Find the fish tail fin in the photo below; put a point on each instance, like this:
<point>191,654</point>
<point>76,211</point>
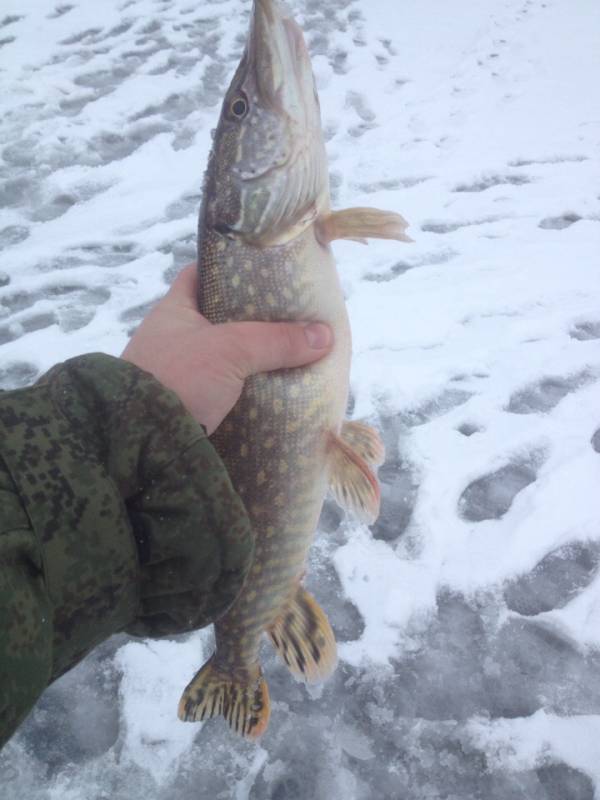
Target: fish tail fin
<point>242,699</point>
<point>352,481</point>
<point>360,224</point>
<point>303,638</point>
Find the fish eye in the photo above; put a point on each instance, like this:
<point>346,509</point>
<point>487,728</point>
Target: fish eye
<point>239,108</point>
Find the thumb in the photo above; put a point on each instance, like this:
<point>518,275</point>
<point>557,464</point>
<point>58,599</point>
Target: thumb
<point>268,346</point>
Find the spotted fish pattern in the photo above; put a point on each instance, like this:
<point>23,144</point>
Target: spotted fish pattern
<point>264,254</point>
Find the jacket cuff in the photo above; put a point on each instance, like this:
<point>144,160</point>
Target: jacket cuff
<point>139,526</point>
<point>89,557</point>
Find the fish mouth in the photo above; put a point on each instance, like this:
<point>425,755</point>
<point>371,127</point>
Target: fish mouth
<point>279,59</point>
<point>283,169</point>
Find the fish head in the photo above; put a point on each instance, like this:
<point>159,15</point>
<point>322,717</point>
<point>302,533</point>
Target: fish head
<point>267,178</point>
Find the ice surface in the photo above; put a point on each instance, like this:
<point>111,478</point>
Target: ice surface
<point>468,619</point>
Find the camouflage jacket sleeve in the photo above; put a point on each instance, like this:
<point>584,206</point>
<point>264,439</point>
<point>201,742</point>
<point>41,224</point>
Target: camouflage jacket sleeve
<point>115,514</point>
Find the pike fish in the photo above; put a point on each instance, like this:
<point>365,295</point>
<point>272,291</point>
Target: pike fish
<point>264,253</point>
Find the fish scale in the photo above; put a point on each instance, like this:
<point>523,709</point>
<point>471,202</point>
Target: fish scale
<point>283,505</point>
<point>264,255</point>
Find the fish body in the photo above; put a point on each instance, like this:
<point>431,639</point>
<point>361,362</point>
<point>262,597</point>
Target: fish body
<point>264,254</point>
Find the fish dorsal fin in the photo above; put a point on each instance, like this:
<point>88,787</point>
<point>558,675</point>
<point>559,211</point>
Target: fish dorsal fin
<point>242,699</point>
<point>352,481</point>
<point>365,441</point>
<point>304,640</point>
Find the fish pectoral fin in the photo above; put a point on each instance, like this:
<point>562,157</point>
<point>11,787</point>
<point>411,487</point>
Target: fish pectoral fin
<point>242,699</point>
<point>365,441</point>
<point>360,224</point>
<point>352,481</point>
<point>304,640</point>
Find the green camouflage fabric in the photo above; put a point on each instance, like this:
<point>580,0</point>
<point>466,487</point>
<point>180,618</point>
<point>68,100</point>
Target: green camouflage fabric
<point>116,514</point>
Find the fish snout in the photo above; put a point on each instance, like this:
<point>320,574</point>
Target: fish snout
<point>282,64</point>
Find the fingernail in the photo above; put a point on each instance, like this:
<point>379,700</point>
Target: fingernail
<point>317,335</point>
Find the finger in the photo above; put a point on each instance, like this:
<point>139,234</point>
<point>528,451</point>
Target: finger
<point>267,346</point>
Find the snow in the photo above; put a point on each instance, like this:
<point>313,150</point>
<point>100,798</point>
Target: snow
<point>468,618</point>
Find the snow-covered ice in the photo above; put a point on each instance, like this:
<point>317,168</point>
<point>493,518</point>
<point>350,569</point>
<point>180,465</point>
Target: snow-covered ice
<point>469,617</point>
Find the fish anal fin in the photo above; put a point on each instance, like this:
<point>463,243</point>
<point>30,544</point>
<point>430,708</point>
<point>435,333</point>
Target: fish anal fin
<point>303,638</point>
<point>242,699</point>
<point>360,224</point>
<point>365,441</point>
<point>353,483</point>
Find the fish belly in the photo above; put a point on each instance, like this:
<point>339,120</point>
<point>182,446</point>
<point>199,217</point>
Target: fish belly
<point>274,441</point>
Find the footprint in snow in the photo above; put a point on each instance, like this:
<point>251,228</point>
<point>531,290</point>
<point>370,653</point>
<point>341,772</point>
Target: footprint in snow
<point>54,208</point>
<point>546,394</point>
<point>360,105</point>
<point>103,255</point>
<point>390,184</point>
<point>10,19</point>
<point>60,11</point>
<point>12,234</point>
<point>491,496</point>
<point>118,30</point>
<point>451,227</point>
<point>389,47</point>
<point>468,429</point>
<point>80,308</point>
<point>18,301</point>
<point>464,667</point>
<point>359,130</point>
<point>583,331</point>
<point>104,81</point>
<point>74,312</point>
<point>489,181</point>
<point>555,580</point>
<point>111,146</point>
<point>537,666</point>
<point>37,322</point>
<point>445,402</point>
<point>339,61</point>
<point>528,162</point>
<point>27,192</point>
<point>559,223</point>
<point>89,34</point>
<point>400,267</point>
<point>399,488</point>
<point>15,192</point>
<point>442,678</point>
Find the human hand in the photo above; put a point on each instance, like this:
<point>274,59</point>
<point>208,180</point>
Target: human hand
<point>205,364</point>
